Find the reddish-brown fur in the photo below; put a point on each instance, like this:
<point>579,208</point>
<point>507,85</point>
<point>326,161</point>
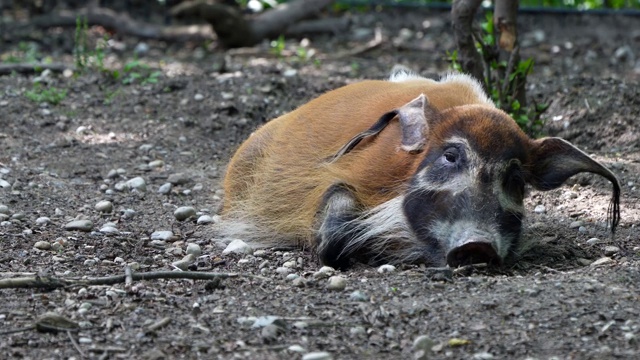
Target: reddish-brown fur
<point>281,172</point>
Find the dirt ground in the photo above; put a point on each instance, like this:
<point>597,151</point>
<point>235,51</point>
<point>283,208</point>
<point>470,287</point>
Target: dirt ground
<point>574,295</point>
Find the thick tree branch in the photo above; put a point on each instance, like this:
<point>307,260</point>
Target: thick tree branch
<point>462,13</point>
<point>111,20</point>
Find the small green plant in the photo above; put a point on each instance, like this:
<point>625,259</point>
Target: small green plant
<point>278,46</point>
<point>81,47</point>
<point>51,95</point>
<point>136,71</point>
<point>505,80</point>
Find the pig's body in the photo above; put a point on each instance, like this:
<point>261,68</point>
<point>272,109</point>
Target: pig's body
<point>407,170</point>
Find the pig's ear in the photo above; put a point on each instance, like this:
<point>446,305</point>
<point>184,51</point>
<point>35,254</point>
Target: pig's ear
<point>554,160</point>
<point>413,122</point>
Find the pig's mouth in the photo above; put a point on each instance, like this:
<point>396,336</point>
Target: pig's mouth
<point>473,252</point>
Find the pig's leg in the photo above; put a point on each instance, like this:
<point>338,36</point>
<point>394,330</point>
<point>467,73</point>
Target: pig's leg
<point>339,225</point>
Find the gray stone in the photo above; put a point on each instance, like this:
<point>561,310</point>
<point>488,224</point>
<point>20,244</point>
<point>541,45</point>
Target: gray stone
<point>42,245</point>
<point>104,206</point>
<point>163,235</point>
<point>185,262</point>
<point>358,296</point>
<point>194,249</point>
<point>540,209</point>
<point>337,283</point>
<point>81,225</point>
<point>4,209</point>
<point>179,179</point>
<point>4,184</point>
<point>611,250</point>
<point>576,224</point>
<point>184,212</point>
<point>165,188</point>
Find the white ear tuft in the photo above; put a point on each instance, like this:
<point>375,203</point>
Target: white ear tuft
<point>400,73</point>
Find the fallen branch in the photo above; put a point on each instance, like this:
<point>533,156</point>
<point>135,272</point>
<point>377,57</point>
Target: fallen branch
<point>50,282</point>
<point>7,69</point>
<point>111,20</point>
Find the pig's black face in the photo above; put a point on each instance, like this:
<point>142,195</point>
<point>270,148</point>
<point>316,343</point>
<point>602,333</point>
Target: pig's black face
<point>464,206</point>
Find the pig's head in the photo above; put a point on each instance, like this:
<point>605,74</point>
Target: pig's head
<point>465,201</point>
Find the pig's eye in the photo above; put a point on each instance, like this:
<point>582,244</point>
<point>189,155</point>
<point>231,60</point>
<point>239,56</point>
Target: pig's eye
<point>451,155</point>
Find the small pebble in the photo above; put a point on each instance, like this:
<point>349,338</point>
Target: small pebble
<point>324,272</point>
<point>184,212</point>
<point>358,331</point>
<point>576,224</point>
<point>90,262</point>
<point>298,282</point>
<point>165,188</point>
<point>319,355</point>
<point>4,209</point>
<point>593,241</point>
<point>422,347</point>
<point>337,283</point>
<point>164,235</point>
<point>296,348</point>
<point>292,277</point>
<point>81,225</point>
<point>108,229</point>
<point>4,184</point>
<point>358,296</point>
<point>198,97</point>
<point>283,270</point>
<point>540,209</point>
<point>204,219</point>
<point>238,247</point>
<point>128,213</point>
<point>43,220</point>
<point>18,216</point>
<point>386,269</point>
<point>194,249</point>
<point>602,261</point>
<point>137,183</point>
<point>185,262</point>
<point>178,179</point>
<point>104,206</point>
<point>42,245</point>
<point>611,250</point>
<point>156,164</point>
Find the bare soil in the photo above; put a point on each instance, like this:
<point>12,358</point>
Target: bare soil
<point>569,297</point>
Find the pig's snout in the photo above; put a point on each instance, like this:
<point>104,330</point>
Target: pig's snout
<point>473,251</point>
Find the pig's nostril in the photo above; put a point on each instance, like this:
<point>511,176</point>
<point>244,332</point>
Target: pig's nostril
<point>473,252</point>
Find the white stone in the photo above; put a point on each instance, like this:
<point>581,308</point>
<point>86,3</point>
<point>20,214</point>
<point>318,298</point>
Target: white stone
<point>204,219</point>
<point>43,220</point>
<point>386,269</point>
<point>238,246</point>
<point>319,355</point>
<point>137,183</point>
<point>337,283</point>
<point>540,209</point>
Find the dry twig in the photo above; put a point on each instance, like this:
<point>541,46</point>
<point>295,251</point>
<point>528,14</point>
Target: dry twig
<point>51,282</point>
